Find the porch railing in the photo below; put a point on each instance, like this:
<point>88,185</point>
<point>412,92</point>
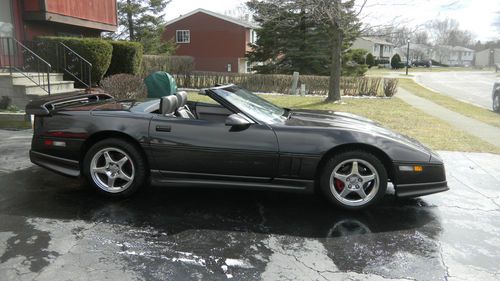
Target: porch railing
<point>18,58</point>
<point>74,65</point>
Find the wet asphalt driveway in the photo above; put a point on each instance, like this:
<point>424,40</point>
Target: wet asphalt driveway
<point>53,228</point>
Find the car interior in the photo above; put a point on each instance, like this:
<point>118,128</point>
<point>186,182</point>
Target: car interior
<point>178,105</point>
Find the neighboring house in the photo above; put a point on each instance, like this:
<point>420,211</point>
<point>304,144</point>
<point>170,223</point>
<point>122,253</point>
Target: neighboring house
<point>453,55</point>
<point>488,57</point>
<point>416,52</point>
<point>216,42</point>
<point>26,19</point>
<point>380,49</point>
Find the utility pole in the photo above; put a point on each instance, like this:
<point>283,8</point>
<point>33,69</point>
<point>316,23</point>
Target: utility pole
<point>407,57</point>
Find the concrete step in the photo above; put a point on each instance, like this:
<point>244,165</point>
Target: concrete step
<point>33,89</point>
<point>52,93</point>
<point>18,78</point>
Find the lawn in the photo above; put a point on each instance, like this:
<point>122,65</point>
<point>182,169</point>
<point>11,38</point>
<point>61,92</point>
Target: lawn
<point>467,109</point>
<point>395,114</point>
<point>16,125</point>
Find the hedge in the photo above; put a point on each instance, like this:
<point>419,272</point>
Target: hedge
<point>278,83</point>
<point>183,65</point>
<point>126,58</point>
<point>97,51</point>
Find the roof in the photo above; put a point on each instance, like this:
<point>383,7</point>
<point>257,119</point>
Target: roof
<point>377,40</point>
<point>213,14</point>
<point>456,48</point>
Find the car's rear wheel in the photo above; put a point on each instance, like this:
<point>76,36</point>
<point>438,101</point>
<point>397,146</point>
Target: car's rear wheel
<point>354,180</point>
<point>114,167</point>
<point>496,103</point>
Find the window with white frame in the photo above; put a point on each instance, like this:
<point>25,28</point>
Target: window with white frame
<point>183,36</point>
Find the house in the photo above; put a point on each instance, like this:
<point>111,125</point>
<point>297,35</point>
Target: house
<point>26,19</point>
<point>416,52</point>
<point>379,48</point>
<point>488,57</point>
<point>24,75</point>
<point>216,42</point>
<point>453,55</point>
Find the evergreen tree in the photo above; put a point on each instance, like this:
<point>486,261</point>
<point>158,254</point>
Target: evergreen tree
<point>308,36</point>
<point>143,21</point>
<point>288,39</point>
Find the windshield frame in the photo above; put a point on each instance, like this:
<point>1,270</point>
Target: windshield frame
<point>212,92</point>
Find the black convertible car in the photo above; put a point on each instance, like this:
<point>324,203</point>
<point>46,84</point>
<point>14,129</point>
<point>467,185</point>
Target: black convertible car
<point>241,141</point>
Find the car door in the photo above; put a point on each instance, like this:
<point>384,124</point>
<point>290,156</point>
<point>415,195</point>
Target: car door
<point>194,148</point>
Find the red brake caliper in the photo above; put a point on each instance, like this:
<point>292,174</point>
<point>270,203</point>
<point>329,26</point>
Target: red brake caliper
<point>339,185</point>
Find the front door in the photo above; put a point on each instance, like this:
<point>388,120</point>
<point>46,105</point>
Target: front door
<point>210,149</point>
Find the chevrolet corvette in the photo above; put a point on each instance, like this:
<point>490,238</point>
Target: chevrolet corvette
<point>239,141</point>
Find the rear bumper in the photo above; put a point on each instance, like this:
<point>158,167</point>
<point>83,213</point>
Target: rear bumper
<point>420,189</point>
<point>59,165</point>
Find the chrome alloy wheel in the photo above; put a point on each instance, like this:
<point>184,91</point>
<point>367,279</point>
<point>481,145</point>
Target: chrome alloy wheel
<point>354,182</point>
<point>112,170</point>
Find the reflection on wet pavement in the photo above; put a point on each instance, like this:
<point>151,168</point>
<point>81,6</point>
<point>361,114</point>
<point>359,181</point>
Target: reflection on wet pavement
<point>54,228</point>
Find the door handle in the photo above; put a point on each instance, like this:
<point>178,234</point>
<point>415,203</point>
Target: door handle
<point>163,128</point>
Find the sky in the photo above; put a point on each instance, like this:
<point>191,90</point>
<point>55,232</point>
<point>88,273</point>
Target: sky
<point>476,16</point>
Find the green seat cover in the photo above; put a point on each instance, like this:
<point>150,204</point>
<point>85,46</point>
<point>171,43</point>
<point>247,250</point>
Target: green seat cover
<point>160,84</point>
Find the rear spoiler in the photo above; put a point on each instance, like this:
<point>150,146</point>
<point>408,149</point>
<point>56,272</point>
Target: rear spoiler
<point>45,106</point>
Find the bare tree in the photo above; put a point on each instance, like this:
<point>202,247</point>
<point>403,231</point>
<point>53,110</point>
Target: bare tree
<point>448,32</point>
<point>340,18</point>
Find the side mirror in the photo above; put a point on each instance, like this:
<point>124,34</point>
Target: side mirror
<point>236,120</point>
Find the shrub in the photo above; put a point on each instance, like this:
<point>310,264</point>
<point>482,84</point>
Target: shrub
<point>395,61</point>
<point>390,87</point>
<point>97,51</point>
<point>5,102</point>
<point>126,58</point>
<point>179,65</point>
<point>370,60</point>
<point>354,69</point>
<point>355,55</point>
<point>124,86</point>
<point>381,61</point>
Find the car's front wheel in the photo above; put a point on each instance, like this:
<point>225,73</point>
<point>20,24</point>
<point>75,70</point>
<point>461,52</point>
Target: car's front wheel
<point>354,180</point>
<point>114,167</point>
<point>496,103</point>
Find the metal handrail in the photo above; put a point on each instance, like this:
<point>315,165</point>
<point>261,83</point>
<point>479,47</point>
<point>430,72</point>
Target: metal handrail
<point>81,76</point>
<point>18,62</point>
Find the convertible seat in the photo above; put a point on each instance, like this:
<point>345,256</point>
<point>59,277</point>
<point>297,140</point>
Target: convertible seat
<point>168,105</point>
<point>183,110</point>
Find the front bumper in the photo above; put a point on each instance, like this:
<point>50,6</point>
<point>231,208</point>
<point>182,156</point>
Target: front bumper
<point>411,184</point>
<point>420,189</point>
<point>56,164</point>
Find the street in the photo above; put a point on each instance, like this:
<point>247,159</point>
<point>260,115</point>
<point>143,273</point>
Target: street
<point>471,86</point>
<point>55,228</point>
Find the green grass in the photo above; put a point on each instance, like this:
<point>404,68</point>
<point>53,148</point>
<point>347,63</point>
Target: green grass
<point>464,108</point>
<point>394,114</point>
<point>17,125</point>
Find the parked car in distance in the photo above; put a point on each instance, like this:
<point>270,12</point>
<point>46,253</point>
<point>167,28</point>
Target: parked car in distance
<point>239,141</point>
<point>496,97</point>
<point>426,63</point>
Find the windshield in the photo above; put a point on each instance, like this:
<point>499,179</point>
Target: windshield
<point>252,105</point>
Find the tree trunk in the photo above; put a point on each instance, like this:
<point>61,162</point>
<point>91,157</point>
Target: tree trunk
<point>130,21</point>
<point>335,68</point>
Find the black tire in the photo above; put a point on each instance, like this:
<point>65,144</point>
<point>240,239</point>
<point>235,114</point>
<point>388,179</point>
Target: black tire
<point>137,165</point>
<point>496,103</point>
<point>366,160</point>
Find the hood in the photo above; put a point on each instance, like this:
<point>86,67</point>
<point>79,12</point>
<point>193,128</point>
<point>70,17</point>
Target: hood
<point>347,121</point>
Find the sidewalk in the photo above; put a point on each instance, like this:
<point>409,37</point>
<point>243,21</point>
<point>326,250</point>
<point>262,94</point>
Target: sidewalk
<point>474,127</point>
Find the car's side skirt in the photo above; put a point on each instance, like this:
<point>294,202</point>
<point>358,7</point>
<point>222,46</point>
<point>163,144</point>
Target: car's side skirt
<point>166,178</point>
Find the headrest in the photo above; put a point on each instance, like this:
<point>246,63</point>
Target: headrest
<point>182,97</point>
<point>168,105</point>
